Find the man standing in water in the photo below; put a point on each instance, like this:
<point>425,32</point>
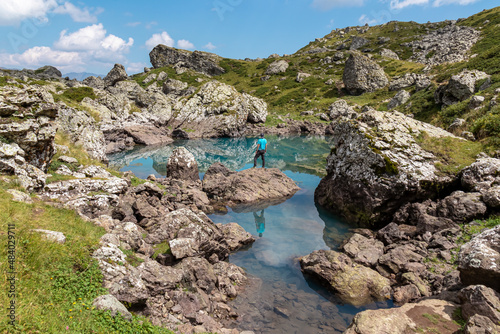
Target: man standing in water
<point>261,151</point>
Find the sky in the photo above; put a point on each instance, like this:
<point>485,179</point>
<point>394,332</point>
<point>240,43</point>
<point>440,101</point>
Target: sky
<point>91,35</point>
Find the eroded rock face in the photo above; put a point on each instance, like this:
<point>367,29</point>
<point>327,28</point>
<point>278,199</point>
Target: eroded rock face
<point>479,259</point>
<point>182,165</point>
<point>406,319</point>
<point>248,186</point>
<point>218,110</point>
<point>203,62</point>
<point>372,173</point>
<point>355,284</point>
<point>363,75</point>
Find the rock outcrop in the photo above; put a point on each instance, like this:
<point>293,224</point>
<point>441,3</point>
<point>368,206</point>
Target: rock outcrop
<point>198,61</point>
<point>218,110</point>
<point>363,75</point>
<point>376,166</point>
<point>116,74</point>
<point>353,283</point>
<point>182,165</point>
<point>249,186</point>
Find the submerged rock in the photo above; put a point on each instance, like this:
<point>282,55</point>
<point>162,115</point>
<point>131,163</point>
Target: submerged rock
<point>354,283</point>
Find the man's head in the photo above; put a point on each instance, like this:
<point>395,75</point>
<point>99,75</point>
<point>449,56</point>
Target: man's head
<point>262,135</point>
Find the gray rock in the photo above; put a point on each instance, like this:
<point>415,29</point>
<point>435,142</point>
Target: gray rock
<point>236,236</point>
<point>481,175</point>
<point>396,258</point>
<point>49,71</point>
<point>363,250</point>
<point>404,319</point>
<point>386,167</point>
<point>492,197</point>
<point>354,283</point>
<point>400,98</point>
<point>421,81</point>
<point>66,159</point>
<point>19,196</point>
<point>478,324</point>
<point>109,302</point>
<point>116,74</point>
<point>182,165</point>
<point>363,75</point>
<point>94,82</point>
<point>479,259</point>
<point>301,76</point>
<point>340,108</point>
<point>358,42</point>
<point>175,87</point>
<point>476,101</point>
<point>461,207</point>
<point>54,236</point>
<point>460,87</point>
<point>480,300</point>
<point>198,61</point>
<point>278,66</point>
<point>389,54</point>
<point>457,125</point>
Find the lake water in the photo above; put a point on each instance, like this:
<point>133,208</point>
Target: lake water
<point>279,299</point>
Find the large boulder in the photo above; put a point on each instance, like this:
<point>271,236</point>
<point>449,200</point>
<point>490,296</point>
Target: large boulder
<point>435,315</point>
<point>479,259</point>
<point>116,74</point>
<point>218,110</point>
<point>376,166</point>
<point>278,66</point>
<point>248,186</point>
<point>198,61</point>
<point>354,283</point>
<point>363,75</point>
<point>182,165</point>
<point>460,87</point>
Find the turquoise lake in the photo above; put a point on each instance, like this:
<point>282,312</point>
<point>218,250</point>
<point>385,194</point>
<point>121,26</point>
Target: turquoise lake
<point>279,299</point>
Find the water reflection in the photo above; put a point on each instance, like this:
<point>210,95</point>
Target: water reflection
<point>260,222</point>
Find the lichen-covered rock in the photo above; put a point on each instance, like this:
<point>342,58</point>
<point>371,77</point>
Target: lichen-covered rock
<point>116,74</point>
<point>182,165</point>
<point>421,81</point>
<point>278,66</point>
<point>400,98</point>
<point>354,283</point>
<point>460,87</point>
<point>199,61</point>
<point>358,42</point>
<point>479,259</point>
<point>481,175</point>
<point>363,75</point>
<point>376,166</point>
<point>248,186</point>
<point>218,110</point>
<point>65,190</point>
<point>408,318</point>
<point>340,108</point>
<point>389,54</point>
<point>492,197</point>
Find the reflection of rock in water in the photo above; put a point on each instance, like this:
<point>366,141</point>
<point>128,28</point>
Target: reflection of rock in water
<point>335,231</point>
<point>297,154</point>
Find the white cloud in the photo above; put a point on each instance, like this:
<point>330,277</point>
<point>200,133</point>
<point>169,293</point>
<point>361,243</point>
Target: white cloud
<point>363,19</point>
<point>77,14</point>
<point>398,4</point>
<point>210,46</point>
<point>133,24</point>
<point>41,55</point>
<point>93,38</point>
<point>12,12</point>
<point>163,38</point>
<point>438,3</point>
<point>325,5</point>
<point>184,44</point>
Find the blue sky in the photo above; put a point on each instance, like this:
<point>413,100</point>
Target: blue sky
<point>91,35</point>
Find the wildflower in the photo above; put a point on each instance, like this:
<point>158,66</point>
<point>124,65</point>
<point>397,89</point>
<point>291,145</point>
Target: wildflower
<point>70,310</point>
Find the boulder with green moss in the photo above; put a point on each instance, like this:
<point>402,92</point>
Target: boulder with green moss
<point>377,165</point>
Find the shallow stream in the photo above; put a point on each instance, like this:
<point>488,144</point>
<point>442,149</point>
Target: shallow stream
<point>279,299</point>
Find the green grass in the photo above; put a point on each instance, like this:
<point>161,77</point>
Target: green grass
<point>55,283</point>
<point>161,248</point>
<point>453,154</point>
<point>75,94</point>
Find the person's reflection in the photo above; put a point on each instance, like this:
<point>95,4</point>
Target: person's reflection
<point>260,222</point>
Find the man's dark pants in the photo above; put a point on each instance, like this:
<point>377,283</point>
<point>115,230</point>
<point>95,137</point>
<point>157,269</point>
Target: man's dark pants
<point>260,153</point>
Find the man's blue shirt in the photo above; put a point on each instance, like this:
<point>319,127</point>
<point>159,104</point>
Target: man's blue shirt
<point>262,143</point>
